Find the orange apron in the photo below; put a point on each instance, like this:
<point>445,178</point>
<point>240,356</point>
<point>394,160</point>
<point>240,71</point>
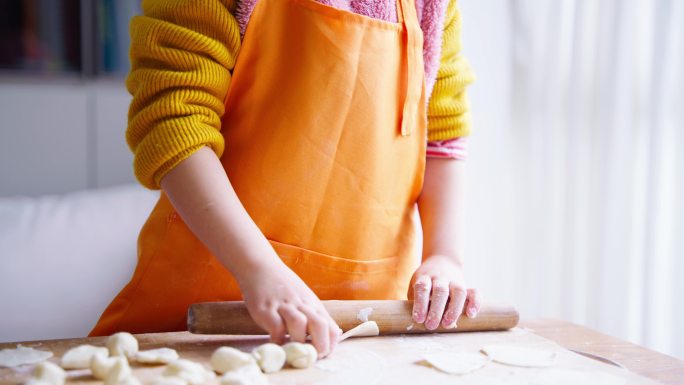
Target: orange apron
<point>325,132</point>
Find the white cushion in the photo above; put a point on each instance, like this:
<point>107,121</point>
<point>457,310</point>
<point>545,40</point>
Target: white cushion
<point>63,258</point>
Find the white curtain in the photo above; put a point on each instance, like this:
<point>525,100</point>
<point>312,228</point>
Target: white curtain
<point>580,213</point>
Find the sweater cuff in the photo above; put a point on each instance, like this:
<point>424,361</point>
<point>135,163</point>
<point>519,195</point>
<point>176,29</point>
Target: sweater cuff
<point>169,144</point>
<point>448,127</point>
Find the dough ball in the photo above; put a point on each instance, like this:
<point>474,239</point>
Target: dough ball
<point>270,357</point>
<point>225,359</point>
<point>170,380</point>
<point>156,356</point>
<point>300,356</point>
<point>101,365</point>
<point>122,344</point>
<point>80,356</point>
<point>119,374</point>
<point>249,374</point>
<point>50,373</point>
<point>192,372</point>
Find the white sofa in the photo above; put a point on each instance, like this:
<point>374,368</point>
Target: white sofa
<point>62,259</point>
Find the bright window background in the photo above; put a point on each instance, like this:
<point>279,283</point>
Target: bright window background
<point>575,170</point>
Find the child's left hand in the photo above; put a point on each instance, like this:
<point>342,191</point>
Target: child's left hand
<point>440,294</point>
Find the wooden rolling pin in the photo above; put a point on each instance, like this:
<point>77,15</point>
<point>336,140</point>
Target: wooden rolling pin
<point>392,317</point>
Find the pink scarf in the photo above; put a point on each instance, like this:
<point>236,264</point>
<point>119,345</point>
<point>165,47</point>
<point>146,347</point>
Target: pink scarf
<point>430,15</point>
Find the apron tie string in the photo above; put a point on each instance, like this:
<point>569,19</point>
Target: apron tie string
<point>413,87</point>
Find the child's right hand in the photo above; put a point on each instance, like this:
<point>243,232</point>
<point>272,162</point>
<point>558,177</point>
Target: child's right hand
<point>280,302</point>
<point>276,298</point>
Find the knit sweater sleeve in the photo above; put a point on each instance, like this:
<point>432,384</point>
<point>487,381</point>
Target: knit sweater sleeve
<point>448,110</point>
<point>182,53</point>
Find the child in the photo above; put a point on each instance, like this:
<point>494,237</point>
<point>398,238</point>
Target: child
<point>290,173</point>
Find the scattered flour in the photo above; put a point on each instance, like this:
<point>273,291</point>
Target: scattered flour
<point>364,314</point>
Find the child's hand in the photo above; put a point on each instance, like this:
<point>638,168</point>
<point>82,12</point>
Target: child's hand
<point>438,284</point>
<point>280,302</point>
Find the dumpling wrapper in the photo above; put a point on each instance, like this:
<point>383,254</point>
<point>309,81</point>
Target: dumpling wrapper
<point>21,356</point>
<point>455,363</point>
<point>519,356</point>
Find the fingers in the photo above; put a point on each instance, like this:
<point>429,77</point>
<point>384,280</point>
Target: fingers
<point>335,332</point>
<point>438,301</point>
<point>473,303</point>
<point>295,321</point>
<point>302,320</point>
<point>421,297</point>
<point>319,330</point>
<point>274,325</point>
<point>457,298</point>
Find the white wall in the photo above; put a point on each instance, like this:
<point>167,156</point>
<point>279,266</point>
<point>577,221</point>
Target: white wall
<point>43,138</point>
<point>62,135</point>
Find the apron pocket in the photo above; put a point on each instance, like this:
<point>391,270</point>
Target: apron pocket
<point>333,277</point>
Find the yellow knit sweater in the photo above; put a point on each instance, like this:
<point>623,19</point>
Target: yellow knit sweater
<point>182,56</point>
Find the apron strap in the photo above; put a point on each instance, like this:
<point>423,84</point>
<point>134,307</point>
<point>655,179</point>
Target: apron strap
<point>413,54</point>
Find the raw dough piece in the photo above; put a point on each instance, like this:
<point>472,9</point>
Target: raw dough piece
<point>225,359</point>
<point>455,363</point>
<point>249,374</point>
<point>121,374</point>
<point>21,356</point>
<point>156,356</point>
<point>170,380</point>
<point>364,314</point>
<point>300,356</point>
<point>366,329</point>
<point>122,344</point>
<point>192,372</point>
<point>517,356</point>
<point>50,373</point>
<point>80,356</point>
<point>100,365</point>
<point>574,377</point>
<point>270,357</point>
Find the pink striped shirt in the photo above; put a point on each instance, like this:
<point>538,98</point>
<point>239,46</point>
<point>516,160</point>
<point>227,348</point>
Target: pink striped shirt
<point>448,149</point>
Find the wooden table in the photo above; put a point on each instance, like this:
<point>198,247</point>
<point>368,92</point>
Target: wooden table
<point>659,367</point>
<point>648,363</point>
